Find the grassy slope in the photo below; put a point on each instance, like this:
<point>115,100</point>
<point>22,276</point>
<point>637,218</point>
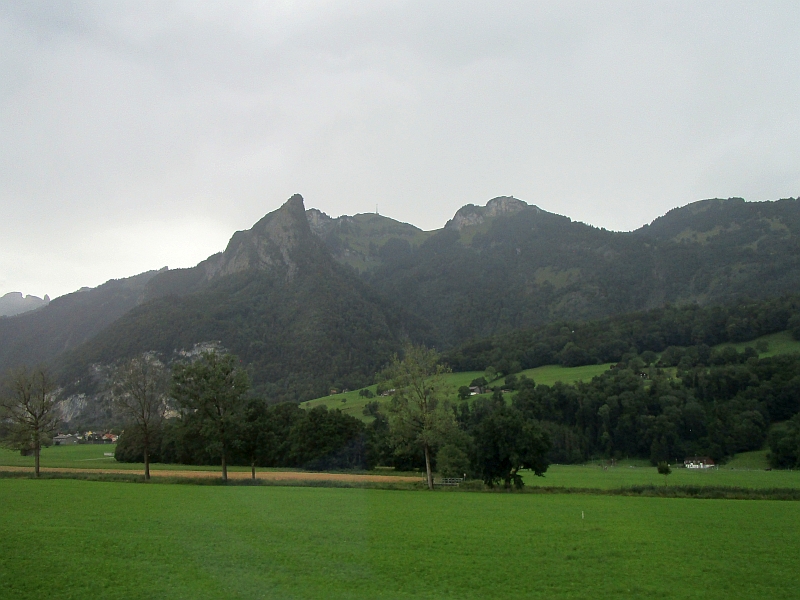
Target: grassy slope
<point>748,461</point>
<point>353,404</point>
<point>376,229</point>
<point>779,343</point>
<point>77,539</point>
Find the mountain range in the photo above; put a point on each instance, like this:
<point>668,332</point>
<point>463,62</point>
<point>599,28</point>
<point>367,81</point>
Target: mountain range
<point>309,302</point>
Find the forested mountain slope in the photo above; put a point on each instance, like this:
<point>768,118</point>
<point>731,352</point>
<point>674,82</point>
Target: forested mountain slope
<point>310,302</point>
<point>67,321</point>
<point>491,271</point>
<point>275,297</point>
<point>365,241</point>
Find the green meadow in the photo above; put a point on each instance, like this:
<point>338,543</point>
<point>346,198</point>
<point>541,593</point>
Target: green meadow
<point>79,539</point>
<point>91,456</point>
<point>778,343</point>
<point>596,477</point>
<point>745,470</point>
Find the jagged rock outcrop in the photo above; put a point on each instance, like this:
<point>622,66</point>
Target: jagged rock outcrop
<point>475,215</point>
<point>277,244</point>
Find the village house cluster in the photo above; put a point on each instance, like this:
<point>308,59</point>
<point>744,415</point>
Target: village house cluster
<point>87,437</point>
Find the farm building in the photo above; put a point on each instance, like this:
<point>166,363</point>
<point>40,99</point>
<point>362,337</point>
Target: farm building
<point>699,462</point>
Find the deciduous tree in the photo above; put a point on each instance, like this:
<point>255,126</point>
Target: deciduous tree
<point>419,414</point>
<point>139,387</point>
<point>664,469</point>
<point>28,413</point>
<point>212,389</point>
<point>505,442</point>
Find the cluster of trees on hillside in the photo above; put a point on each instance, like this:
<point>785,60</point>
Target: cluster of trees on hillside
<point>720,403</point>
<point>36,337</point>
<point>572,344</point>
<point>691,401</point>
<point>216,422</point>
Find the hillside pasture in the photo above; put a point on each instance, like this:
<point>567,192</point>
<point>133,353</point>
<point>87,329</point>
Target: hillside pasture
<point>754,460</point>
<point>353,404</point>
<point>77,539</point>
<point>778,343</point>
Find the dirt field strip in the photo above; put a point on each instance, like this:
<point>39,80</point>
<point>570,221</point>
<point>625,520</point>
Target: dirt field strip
<point>265,475</point>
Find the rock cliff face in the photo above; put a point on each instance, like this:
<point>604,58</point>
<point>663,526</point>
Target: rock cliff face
<point>475,215</point>
<point>319,222</point>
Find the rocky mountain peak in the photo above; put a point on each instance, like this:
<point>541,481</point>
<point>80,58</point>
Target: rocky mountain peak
<point>14,303</point>
<point>474,215</point>
<point>271,243</point>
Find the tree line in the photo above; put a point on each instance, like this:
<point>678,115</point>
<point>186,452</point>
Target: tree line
<point>577,343</point>
<point>212,420</point>
<point>719,403</point>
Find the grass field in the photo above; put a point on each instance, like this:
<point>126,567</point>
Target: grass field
<point>755,460</point>
<point>78,539</point>
<point>89,456</point>
<point>595,477</point>
<point>744,471</point>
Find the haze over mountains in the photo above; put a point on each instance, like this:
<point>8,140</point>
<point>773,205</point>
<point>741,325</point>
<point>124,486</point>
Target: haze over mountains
<point>310,302</point>
<point>14,303</point>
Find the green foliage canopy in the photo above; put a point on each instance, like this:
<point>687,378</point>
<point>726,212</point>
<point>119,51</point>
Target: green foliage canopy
<point>211,390</point>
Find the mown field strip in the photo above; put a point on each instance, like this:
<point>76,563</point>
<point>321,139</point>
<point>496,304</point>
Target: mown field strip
<point>78,539</point>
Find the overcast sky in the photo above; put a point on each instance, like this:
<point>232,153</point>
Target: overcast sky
<point>137,135</point>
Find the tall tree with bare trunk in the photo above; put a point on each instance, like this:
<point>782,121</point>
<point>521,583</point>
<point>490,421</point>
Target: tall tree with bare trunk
<point>139,388</point>
<point>420,415</point>
<point>28,411</point>
<point>212,389</point>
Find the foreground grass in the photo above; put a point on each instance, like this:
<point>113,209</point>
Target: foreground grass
<point>76,539</point>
